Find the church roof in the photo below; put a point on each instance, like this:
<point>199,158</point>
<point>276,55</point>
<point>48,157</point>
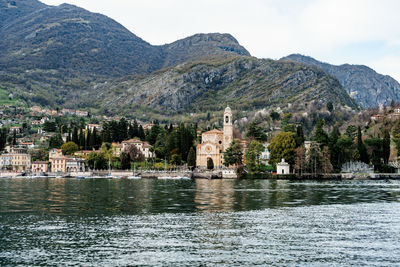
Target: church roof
<point>215,131</point>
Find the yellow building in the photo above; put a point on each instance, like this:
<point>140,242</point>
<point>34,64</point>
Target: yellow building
<point>215,142</point>
<point>21,162</point>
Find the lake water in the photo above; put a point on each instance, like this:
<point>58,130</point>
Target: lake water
<point>199,223</point>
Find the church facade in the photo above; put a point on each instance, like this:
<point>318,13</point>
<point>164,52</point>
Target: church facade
<point>215,142</point>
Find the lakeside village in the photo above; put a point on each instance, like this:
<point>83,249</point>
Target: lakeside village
<point>39,142</point>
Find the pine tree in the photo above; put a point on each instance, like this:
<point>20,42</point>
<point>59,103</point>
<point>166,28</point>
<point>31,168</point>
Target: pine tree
<point>320,136</point>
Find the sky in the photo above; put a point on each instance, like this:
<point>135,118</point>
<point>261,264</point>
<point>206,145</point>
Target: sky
<point>363,32</point>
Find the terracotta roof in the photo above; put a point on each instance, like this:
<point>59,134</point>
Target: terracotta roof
<point>132,141</point>
<point>215,131</point>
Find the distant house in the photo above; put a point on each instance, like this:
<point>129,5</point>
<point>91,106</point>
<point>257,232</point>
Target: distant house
<point>84,153</point>
<point>91,126</point>
<point>66,111</point>
<point>81,113</point>
<point>265,155</point>
<point>117,148</point>
<point>36,122</point>
<point>378,118</point>
<point>36,109</point>
<point>28,145</point>
<point>17,129</point>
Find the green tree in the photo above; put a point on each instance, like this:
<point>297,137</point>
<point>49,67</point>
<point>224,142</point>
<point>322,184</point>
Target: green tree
<point>253,155</point>
<point>50,126</point>
<point>176,159</point>
<point>55,141</point>
<point>386,146</point>
<point>375,146</point>
<point>282,146</point>
<point>123,129</point>
<point>299,136</point>
<point>141,133</point>
<point>69,148</point>
<point>351,131</point>
<point>75,137</point>
<point>14,139</point>
<point>3,138</point>
<point>329,106</point>
<point>255,132</point>
<point>334,148</point>
<point>191,159</point>
<point>233,154</point>
<point>274,115</point>
<point>362,150</point>
<point>320,136</point>
<point>97,161</point>
<point>82,139</point>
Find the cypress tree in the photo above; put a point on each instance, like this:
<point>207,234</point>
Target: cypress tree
<point>93,139</point>
<point>299,136</point>
<point>191,159</point>
<point>14,140</point>
<point>87,140</point>
<point>135,129</point>
<point>82,139</point>
<point>362,150</point>
<point>69,135</point>
<point>386,146</point>
<point>141,133</point>
<point>131,132</point>
<point>75,137</point>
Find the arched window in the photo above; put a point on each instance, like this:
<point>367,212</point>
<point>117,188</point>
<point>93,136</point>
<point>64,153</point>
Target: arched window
<point>226,119</point>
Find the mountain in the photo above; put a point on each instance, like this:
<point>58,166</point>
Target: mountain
<point>245,83</point>
<point>67,56</point>
<point>363,84</point>
<point>74,40</point>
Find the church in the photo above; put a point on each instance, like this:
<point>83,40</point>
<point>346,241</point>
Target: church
<point>215,142</point>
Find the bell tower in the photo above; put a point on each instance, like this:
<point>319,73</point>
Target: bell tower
<point>228,128</point>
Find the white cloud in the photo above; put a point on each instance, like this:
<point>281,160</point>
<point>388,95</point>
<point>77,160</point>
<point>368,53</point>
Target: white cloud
<point>267,28</point>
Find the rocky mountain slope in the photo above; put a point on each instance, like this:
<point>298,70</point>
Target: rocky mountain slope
<point>245,83</point>
<point>367,87</point>
<point>74,40</point>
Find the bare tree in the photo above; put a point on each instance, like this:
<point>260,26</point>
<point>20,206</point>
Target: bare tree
<point>134,153</point>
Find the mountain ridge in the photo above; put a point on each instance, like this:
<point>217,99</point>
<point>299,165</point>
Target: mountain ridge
<point>364,84</point>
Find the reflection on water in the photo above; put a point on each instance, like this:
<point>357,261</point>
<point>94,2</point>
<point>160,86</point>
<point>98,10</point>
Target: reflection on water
<point>202,222</point>
<point>101,196</point>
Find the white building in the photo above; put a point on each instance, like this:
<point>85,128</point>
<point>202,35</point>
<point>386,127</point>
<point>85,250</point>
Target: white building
<point>283,167</point>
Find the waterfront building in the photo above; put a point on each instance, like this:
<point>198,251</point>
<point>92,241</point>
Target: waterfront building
<point>40,166</point>
<point>75,164</point>
<point>6,161</point>
<point>215,142</point>
<point>283,167</point>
